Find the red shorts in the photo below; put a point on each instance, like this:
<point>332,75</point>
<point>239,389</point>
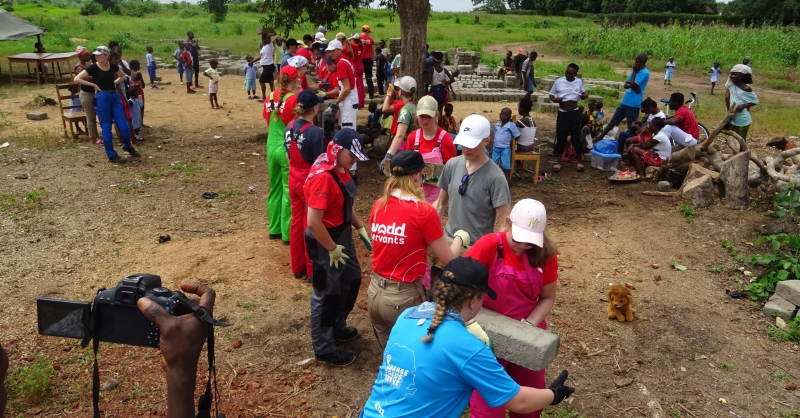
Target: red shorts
<point>649,158</point>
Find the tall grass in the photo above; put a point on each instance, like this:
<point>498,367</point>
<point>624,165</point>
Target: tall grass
<point>773,49</point>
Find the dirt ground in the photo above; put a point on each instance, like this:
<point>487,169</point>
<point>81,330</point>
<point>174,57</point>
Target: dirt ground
<point>698,352</point>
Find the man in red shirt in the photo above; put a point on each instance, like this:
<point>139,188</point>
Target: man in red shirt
<point>347,101</point>
<point>367,54</point>
<point>683,117</point>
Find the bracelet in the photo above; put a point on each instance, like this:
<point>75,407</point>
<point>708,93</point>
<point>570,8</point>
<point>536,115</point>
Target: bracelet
<point>525,321</point>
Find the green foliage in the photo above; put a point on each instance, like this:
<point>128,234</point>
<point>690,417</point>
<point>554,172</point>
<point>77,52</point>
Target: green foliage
<point>791,333</point>
<point>288,14</point>
<point>90,24</point>
<point>674,413</point>
<point>217,8</point>
<point>724,365</point>
<point>783,263</point>
<point>188,169</point>
<point>188,12</point>
<point>567,411</point>
<point>8,8</point>
<point>32,382</point>
<point>786,202</point>
<point>28,200</point>
<point>249,306</point>
<point>789,414</point>
<point>774,11</point>
<point>687,211</point>
<point>494,6</point>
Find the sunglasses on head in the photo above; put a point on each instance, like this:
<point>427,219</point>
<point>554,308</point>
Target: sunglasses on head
<point>463,187</point>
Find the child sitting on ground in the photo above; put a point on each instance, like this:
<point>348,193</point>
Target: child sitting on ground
<point>527,134</point>
<point>504,132</point>
<point>653,151</point>
<point>250,72</point>
<point>213,86</point>
<point>599,115</point>
<point>373,128</point>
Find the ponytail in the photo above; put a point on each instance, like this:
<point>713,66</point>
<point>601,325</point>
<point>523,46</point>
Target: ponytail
<point>448,296</point>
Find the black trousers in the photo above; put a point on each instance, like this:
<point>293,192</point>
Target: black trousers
<point>196,66</point>
<point>381,82</point>
<point>368,76</point>
<point>568,124</point>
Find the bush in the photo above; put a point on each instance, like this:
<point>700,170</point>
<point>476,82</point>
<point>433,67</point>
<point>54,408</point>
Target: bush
<point>783,263</point>
<point>31,383</point>
<point>9,8</point>
<point>188,12</point>
<point>89,23</point>
<point>217,8</point>
<point>137,8</point>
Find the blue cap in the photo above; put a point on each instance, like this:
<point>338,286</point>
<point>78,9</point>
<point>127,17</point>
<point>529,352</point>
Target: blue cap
<point>307,99</point>
<point>330,60</point>
<point>350,139</point>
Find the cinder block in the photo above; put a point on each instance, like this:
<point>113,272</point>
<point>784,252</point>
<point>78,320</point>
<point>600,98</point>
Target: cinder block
<point>495,84</point>
<point>776,304</point>
<point>598,99</point>
<point>36,115</point>
<point>789,290</point>
<point>517,342</point>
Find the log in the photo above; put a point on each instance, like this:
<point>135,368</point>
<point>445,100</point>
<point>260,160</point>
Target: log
<point>662,194</point>
<point>739,139</point>
<point>713,134</point>
<point>784,155</point>
<point>698,192</point>
<point>734,176</point>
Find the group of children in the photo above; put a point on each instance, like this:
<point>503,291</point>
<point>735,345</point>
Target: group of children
<point>185,61</point>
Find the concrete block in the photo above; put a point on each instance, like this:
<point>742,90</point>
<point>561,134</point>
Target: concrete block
<point>517,342</point>
<point>789,290</point>
<point>776,304</point>
<point>598,99</point>
<point>36,115</point>
<point>495,84</point>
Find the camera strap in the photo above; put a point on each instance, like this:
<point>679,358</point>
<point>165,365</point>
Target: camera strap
<point>95,381</point>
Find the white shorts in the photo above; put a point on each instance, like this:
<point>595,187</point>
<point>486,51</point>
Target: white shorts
<point>213,88</point>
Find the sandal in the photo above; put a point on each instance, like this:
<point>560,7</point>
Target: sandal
<point>557,168</point>
<point>580,167</point>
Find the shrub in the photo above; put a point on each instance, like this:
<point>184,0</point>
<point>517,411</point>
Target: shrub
<point>89,23</point>
<point>217,8</point>
<point>9,8</point>
<point>188,12</point>
<point>33,382</point>
<point>783,263</point>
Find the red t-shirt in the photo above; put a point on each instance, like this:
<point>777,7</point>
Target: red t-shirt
<point>369,46</point>
<point>286,110</point>
<point>688,121</point>
<point>397,105</point>
<point>401,232</point>
<point>448,149</point>
<point>323,193</point>
<point>486,248</point>
<point>332,79</point>
<point>344,69</point>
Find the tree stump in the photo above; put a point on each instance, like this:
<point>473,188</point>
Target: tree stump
<point>697,192</point>
<point>734,176</point>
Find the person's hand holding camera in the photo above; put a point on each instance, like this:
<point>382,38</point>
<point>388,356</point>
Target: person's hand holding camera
<point>181,342</point>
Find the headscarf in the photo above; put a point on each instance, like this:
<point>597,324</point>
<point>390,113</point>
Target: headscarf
<point>738,68</point>
<point>326,161</point>
<point>297,61</point>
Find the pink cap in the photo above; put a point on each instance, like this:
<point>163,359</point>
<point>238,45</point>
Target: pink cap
<point>81,50</point>
<point>528,220</point>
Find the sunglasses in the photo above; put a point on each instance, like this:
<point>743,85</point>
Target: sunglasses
<point>463,187</point>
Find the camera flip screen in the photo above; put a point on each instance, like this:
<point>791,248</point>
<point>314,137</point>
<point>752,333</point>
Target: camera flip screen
<point>61,318</point>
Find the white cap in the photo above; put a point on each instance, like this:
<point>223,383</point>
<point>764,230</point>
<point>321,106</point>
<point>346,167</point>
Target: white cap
<point>406,83</point>
<point>528,220</point>
<point>320,37</point>
<point>334,45</point>
<point>474,129</point>
<point>427,106</point>
<point>297,61</point>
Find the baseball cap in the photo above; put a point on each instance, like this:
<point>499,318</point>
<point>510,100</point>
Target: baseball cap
<point>474,129</point>
<point>80,50</point>
<point>320,37</point>
<point>341,35</point>
<point>528,220</point>
<point>350,139</point>
<point>468,272</point>
<point>307,99</point>
<point>303,52</point>
<point>366,28</point>
<point>297,61</point>
<point>289,71</point>
<point>292,42</point>
<point>330,60</point>
<point>427,105</point>
<point>334,45</point>
<point>101,50</point>
<point>406,163</point>
<point>322,29</point>
<point>406,83</point>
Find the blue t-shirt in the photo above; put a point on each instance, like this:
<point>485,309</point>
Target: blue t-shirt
<point>310,142</point>
<point>503,134</point>
<point>631,98</point>
<point>435,379</point>
<point>285,60</point>
<point>151,60</point>
<point>250,71</point>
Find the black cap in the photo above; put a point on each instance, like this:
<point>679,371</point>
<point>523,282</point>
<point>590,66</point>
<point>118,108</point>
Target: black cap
<point>468,272</point>
<point>350,139</point>
<point>406,163</point>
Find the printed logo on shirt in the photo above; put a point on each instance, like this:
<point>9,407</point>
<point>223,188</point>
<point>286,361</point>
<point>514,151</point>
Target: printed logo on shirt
<point>389,234</point>
<point>396,380</point>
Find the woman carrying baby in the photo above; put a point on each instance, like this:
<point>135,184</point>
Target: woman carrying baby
<point>523,269</point>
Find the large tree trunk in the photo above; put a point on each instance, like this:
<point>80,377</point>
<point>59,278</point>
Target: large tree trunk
<point>413,16</point>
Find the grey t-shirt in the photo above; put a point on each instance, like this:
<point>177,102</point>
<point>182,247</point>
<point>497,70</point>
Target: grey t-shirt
<point>474,212</point>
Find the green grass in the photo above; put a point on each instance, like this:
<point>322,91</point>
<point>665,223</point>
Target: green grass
<point>226,193</point>
<point>792,333</point>
<point>674,413</point>
<point>789,414</point>
<point>188,169</point>
<point>783,85</point>
<point>149,175</point>
<point>567,411</point>
<point>724,365</point>
<point>249,306</point>
<point>26,201</point>
<point>688,212</point>
<point>32,382</point>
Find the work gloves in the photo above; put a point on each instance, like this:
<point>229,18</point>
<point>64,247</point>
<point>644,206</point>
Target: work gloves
<point>560,391</point>
<point>338,257</point>
<point>362,233</point>
<point>464,235</point>
<point>475,329</point>
<point>333,108</point>
<point>382,165</point>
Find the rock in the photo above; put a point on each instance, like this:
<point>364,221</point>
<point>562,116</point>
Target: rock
<point>785,224</point>
<point>697,192</point>
<point>237,343</point>
<point>22,176</point>
<point>34,411</point>
<point>734,176</point>
<point>776,304</point>
<point>110,384</point>
<point>623,382</point>
<point>790,386</point>
<point>789,290</point>
<point>36,115</point>
<point>697,170</point>
<point>780,323</point>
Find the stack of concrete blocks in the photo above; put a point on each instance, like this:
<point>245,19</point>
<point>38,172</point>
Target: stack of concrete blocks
<point>227,64</point>
<point>785,301</point>
<point>395,44</point>
<point>468,62</point>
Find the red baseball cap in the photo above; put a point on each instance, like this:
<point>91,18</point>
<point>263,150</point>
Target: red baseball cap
<point>303,52</point>
<point>290,71</point>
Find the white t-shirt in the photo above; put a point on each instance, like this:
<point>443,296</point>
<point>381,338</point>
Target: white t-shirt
<point>660,114</point>
<point>670,66</point>
<point>527,136</point>
<point>663,148</point>
<point>268,54</point>
<point>567,90</point>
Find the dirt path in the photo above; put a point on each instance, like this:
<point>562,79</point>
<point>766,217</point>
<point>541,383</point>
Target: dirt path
<point>690,345</point>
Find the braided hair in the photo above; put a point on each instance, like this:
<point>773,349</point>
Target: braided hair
<point>448,296</point>
<point>285,82</point>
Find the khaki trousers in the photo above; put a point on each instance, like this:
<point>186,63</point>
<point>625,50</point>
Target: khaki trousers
<point>386,300</point>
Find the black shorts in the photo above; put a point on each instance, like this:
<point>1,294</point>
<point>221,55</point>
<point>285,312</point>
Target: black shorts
<point>267,73</point>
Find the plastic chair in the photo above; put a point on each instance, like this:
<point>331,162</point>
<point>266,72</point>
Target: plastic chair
<point>68,117</point>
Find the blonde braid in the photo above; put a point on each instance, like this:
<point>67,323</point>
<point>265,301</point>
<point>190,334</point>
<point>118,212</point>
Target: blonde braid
<point>448,296</point>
